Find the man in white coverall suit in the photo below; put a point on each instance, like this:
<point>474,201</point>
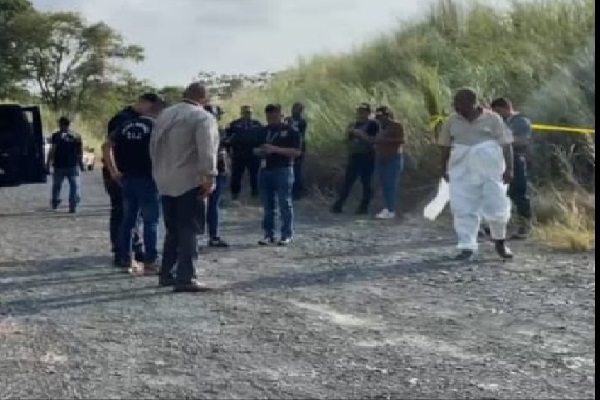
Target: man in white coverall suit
<point>478,163</point>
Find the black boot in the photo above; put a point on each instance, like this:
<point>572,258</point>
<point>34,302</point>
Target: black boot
<point>503,250</point>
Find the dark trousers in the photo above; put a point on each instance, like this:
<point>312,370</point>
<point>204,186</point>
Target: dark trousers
<point>298,189</point>
<point>115,194</point>
<point>239,165</point>
<point>181,216</point>
<point>518,191</point>
<point>360,166</point>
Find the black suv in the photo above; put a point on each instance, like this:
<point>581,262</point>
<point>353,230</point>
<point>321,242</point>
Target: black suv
<point>22,158</point>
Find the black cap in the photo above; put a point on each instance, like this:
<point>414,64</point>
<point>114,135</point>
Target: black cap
<point>383,110</point>
<point>364,107</point>
<point>152,98</point>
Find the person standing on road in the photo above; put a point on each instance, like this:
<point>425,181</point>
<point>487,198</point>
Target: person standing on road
<point>361,162</point>
<point>66,157</point>
<point>214,200</point>
<point>297,121</point>
<point>389,148</point>
<point>518,189</point>
<point>243,136</point>
<point>142,107</point>
<point>478,162</point>
<point>281,144</point>
<point>183,150</point>
<point>132,170</point>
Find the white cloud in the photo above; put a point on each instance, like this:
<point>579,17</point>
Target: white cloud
<point>183,37</point>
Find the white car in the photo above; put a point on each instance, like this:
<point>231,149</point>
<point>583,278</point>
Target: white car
<point>89,158</point>
<point>46,148</point>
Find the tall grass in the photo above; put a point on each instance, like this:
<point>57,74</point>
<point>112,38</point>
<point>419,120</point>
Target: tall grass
<point>540,54</point>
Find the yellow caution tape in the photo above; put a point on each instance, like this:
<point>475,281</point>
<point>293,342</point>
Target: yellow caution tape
<point>437,120</point>
<point>566,129</point>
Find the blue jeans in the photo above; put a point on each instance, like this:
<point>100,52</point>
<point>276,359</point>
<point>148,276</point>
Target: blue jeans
<point>72,176</point>
<point>214,202</point>
<point>276,190</point>
<point>389,170</point>
<point>140,196</point>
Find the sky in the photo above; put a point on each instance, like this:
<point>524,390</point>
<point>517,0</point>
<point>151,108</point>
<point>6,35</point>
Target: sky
<point>183,37</point>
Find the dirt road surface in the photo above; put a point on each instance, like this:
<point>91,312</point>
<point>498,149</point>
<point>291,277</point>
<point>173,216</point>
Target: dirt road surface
<point>354,309</point>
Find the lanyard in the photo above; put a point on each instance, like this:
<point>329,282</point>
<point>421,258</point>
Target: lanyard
<point>272,136</point>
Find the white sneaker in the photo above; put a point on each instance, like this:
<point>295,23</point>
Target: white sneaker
<point>386,214</point>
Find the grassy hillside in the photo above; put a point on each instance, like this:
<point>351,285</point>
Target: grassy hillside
<point>540,54</point>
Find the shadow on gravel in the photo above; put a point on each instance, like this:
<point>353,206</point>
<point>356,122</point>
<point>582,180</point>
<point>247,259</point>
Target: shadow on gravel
<point>30,268</point>
<point>55,214</point>
<point>369,250</point>
<point>30,305</point>
<point>9,283</point>
<point>351,274</point>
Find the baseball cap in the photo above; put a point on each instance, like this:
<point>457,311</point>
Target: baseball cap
<point>364,107</point>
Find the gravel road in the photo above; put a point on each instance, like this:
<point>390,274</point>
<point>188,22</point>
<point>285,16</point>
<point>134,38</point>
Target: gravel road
<point>354,309</point>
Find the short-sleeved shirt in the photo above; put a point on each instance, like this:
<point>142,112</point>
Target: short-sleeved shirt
<point>281,136</point>
<point>68,149</point>
<point>488,126</point>
<point>520,127</point>
<point>243,135</point>
<point>299,124</point>
<point>359,146</point>
<point>131,147</point>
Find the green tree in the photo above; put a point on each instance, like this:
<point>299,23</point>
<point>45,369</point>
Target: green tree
<point>66,57</point>
<point>11,58</point>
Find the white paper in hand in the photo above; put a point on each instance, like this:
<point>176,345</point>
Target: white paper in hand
<point>436,206</point>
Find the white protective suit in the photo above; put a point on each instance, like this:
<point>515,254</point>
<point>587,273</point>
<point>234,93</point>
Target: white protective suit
<point>478,191</point>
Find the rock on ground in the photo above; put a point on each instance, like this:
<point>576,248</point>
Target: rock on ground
<point>354,309</point>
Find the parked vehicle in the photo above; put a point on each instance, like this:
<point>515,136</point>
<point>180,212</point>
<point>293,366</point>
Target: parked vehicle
<point>22,146</point>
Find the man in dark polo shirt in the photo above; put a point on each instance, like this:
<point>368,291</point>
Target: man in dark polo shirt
<point>518,190</point>
<point>66,156</point>
<point>214,200</point>
<point>132,169</point>
<point>298,122</point>
<point>361,160</point>
<point>243,135</point>
<point>281,144</point>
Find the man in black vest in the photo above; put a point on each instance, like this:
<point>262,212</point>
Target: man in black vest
<point>66,156</point>
<point>243,135</point>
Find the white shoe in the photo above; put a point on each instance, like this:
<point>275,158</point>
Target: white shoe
<point>386,214</point>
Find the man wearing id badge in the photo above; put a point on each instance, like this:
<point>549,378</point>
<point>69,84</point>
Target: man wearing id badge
<point>281,144</point>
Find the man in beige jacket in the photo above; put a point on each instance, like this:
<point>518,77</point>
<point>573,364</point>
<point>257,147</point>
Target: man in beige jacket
<point>184,152</point>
